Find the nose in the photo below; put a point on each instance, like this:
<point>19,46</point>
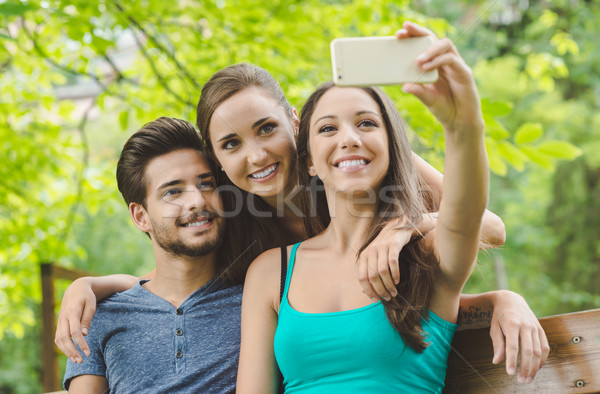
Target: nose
<point>256,154</point>
<point>196,200</point>
<point>350,137</point>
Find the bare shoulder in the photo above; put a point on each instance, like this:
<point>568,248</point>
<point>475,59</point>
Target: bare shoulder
<point>266,265</point>
<point>263,278</point>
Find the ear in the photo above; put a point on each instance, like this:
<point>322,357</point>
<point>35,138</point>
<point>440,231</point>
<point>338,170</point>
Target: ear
<point>312,171</point>
<point>140,217</point>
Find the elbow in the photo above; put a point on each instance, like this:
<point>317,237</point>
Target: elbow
<point>494,235</point>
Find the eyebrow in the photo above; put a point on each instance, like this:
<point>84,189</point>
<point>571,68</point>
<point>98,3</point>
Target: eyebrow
<point>324,117</point>
<point>260,121</point>
<point>357,114</point>
<point>174,182</point>
<point>255,124</point>
<point>228,136</point>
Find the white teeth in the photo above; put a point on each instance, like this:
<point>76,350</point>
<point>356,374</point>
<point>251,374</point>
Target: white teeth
<point>265,173</point>
<point>351,163</point>
<point>196,224</point>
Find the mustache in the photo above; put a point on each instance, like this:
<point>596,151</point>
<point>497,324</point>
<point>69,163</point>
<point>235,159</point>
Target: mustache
<point>196,217</point>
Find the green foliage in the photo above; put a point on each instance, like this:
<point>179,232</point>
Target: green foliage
<point>536,68</point>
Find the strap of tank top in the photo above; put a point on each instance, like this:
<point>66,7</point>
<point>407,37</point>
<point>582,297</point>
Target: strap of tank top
<point>283,271</point>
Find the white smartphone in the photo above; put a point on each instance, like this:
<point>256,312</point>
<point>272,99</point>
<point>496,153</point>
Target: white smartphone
<point>367,61</point>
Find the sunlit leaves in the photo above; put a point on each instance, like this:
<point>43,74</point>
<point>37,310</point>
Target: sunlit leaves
<point>564,43</point>
<point>528,132</point>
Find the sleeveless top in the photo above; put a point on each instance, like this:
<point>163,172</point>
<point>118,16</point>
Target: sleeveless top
<point>356,351</point>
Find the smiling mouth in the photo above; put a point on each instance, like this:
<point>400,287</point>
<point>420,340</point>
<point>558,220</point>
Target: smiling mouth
<point>352,163</point>
<point>265,173</point>
<point>198,223</point>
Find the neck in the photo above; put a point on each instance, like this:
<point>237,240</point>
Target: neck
<point>287,209</point>
<point>177,277</point>
<point>351,216</point>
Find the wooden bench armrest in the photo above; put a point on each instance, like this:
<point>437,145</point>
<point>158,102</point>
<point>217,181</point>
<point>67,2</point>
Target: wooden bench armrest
<point>573,365</point>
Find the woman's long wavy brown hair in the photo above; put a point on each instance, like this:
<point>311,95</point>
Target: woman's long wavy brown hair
<point>407,198</point>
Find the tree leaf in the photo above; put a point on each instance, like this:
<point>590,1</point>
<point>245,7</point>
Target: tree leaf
<point>559,149</point>
<point>124,119</point>
<point>495,107</point>
<point>528,132</point>
<point>538,157</point>
<point>512,154</point>
<point>6,37</point>
<point>15,9</point>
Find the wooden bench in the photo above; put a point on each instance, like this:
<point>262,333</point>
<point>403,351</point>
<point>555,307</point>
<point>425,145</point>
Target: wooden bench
<point>50,272</point>
<point>573,365</point>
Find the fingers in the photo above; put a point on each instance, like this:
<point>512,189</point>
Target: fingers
<point>394,264</point>
<point>374,276</point>
<point>438,48</point>
<point>63,341</point>
<point>526,343</point>
<point>545,346</point>
<point>383,270</point>
<point>425,93</point>
<point>497,343</point>
<point>540,351</point>
<point>363,277</point>
<point>78,338</point>
<point>79,328</point>
<point>86,317</point>
<point>511,336</point>
<point>70,330</point>
<point>410,29</point>
<point>536,354</point>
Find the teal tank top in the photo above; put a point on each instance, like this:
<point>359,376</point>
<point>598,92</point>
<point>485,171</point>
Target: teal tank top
<point>356,351</point>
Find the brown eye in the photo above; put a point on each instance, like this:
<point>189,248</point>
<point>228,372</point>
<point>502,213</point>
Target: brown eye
<point>230,144</point>
<point>267,128</point>
<point>367,123</point>
<point>326,129</point>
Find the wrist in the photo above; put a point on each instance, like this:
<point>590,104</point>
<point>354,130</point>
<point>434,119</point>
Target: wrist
<point>427,224</point>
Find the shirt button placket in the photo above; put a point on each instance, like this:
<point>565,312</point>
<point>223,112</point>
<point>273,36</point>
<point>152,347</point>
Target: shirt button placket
<point>179,341</point>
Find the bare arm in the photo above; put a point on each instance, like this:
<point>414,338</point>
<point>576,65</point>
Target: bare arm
<point>513,327</point>
<point>78,307</point>
<point>453,99</point>
<point>257,372</point>
<point>86,384</point>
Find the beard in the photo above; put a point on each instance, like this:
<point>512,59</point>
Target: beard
<point>213,238</point>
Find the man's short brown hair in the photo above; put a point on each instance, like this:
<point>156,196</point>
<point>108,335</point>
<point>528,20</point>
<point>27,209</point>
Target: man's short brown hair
<point>157,138</point>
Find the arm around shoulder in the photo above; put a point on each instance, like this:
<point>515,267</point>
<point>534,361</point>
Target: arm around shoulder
<point>257,372</point>
<point>78,307</point>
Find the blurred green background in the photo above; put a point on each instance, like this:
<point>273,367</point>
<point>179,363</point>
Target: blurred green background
<point>78,77</point>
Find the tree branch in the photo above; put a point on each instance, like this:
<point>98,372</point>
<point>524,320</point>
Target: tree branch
<point>71,71</point>
<point>161,79</point>
<point>182,70</point>
<point>120,76</point>
<point>84,164</point>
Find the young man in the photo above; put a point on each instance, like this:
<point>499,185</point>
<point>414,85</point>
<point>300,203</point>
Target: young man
<point>179,331</point>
